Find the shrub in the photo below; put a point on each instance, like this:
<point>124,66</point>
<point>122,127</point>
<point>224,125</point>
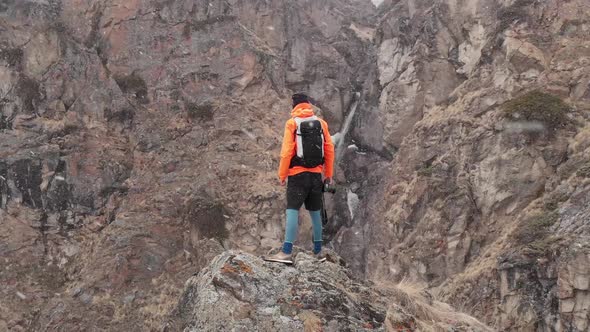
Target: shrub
<point>541,247</point>
<point>425,171</point>
<point>584,171</point>
<point>134,84</point>
<point>538,106</point>
<point>533,236</point>
<point>207,220</point>
<point>554,198</point>
<point>535,228</point>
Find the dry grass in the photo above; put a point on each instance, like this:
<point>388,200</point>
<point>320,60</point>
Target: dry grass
<point>159,307</point>
<point>430,314</point>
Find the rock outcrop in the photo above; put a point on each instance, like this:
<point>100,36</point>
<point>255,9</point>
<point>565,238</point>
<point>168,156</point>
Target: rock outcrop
<point>241,292</point>
<point>483,202</point>
<point>139,139</point>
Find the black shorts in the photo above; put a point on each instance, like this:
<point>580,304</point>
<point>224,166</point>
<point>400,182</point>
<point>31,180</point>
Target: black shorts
<point>305,188</point>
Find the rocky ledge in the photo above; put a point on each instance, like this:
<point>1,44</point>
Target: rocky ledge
<point>241,292</point>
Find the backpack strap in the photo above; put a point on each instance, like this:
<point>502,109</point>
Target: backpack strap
<point>298,133</point>
<point>299,141</point>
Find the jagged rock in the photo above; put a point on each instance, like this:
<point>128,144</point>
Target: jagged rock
<point>241,292</point>
<point>574,288</point>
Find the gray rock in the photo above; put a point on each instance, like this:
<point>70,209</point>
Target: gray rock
<point>238,290</point>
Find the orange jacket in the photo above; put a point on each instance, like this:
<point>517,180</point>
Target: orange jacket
<point>289,148</point>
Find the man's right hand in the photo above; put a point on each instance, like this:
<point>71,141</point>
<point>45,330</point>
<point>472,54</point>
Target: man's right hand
<point>283,182</point>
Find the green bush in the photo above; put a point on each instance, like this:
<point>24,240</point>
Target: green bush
<point>584,171</point>
<point>553,200</point>
<point>425,171</point>
<point>544,246</point>
<point>538,106</point>
<point>533,236</point>
<point>535,228</point>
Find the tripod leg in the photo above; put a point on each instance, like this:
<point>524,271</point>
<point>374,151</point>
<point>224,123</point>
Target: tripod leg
<point>324,212</point>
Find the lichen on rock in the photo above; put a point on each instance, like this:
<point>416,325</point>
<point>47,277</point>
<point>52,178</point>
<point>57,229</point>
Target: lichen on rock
<point>241,292</point>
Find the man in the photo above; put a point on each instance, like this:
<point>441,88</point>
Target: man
<point>307,152</point>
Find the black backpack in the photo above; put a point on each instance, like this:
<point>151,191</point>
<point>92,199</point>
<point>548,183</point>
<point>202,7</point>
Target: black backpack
<point>309,138</point>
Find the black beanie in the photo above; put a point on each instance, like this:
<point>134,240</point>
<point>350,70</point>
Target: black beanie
<point>299,98</point>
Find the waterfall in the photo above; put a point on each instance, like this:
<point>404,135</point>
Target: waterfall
<point>341,136</point>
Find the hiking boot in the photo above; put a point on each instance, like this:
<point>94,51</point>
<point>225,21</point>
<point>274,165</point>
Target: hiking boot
<point>280,257</point>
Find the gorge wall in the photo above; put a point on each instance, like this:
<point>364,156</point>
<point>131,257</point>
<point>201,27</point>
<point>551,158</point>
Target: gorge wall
<point>486,199</point>
<point>139,140</point>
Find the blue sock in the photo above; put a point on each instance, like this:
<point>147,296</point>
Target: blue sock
<point>291,231</point>
<point>316,221</point>
<point>287,247</point>
<point>317,247</point>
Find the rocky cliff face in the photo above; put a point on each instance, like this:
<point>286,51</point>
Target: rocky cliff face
<point>139,139</point>
<point>487,197</point>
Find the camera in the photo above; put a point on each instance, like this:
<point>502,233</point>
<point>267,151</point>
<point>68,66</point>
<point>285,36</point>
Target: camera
<point>329,188</point>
